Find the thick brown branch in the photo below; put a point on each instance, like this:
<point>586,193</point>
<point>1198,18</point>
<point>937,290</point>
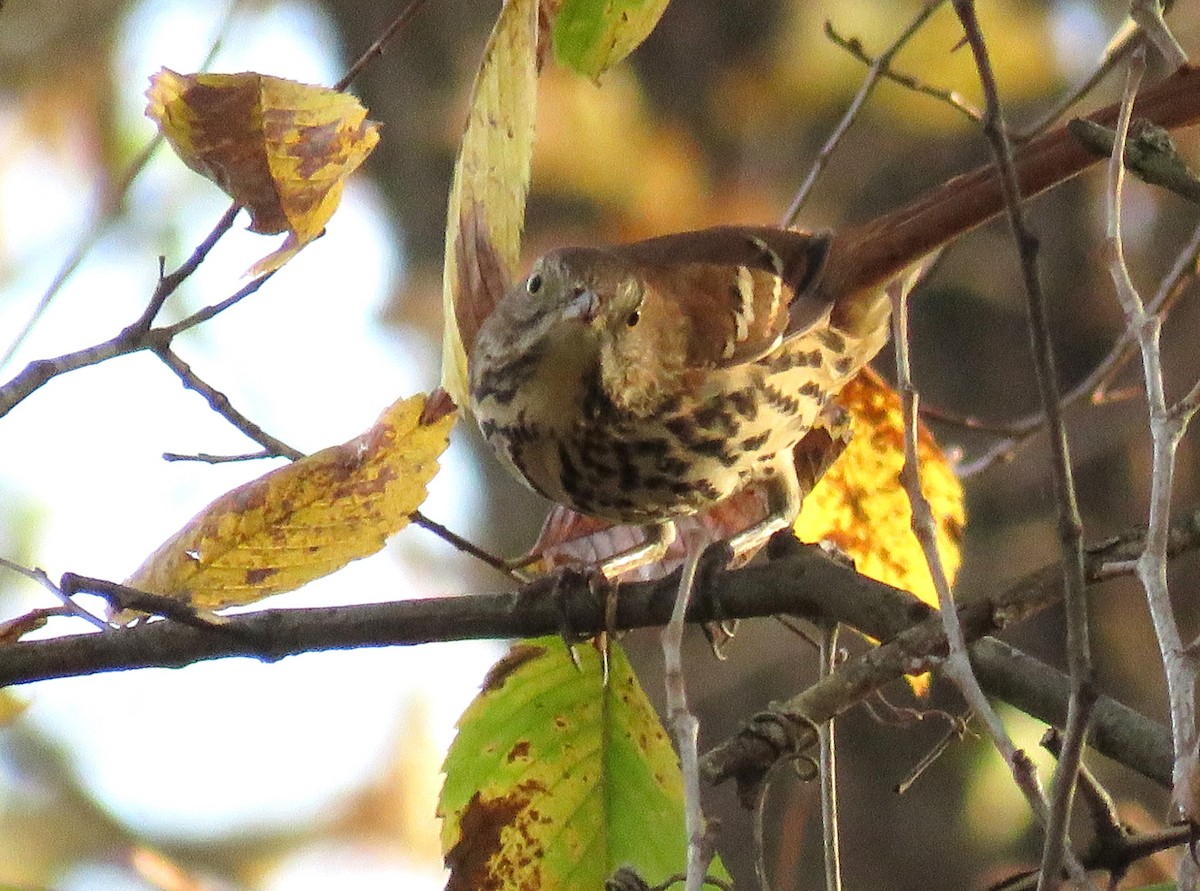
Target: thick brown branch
<point>799,581</point>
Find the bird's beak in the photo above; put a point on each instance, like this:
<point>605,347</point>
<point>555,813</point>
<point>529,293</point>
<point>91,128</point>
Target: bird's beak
<point>582,306</point>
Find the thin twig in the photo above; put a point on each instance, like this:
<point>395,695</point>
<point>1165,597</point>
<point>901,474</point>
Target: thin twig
<point>1118,48</point>
<point>868,84</point>
<point>759,832</point>
<point>1167,425</point>
<point>1094,388</point>
<point>110,201</point>
<point>828,764</point>
<point>40,576</point>
<point>683,723</point>
<point>1070,526</point>
<point>110,205</point>
<point>381,43</point>
<point>457,541</point>
<point>220,403</point>
<point>168,332</point>
<point>854,47</point>
<point>133,338</point>
<point>957,665</point>
<point>206,458</point>
<point>122,599</point>
<point>1149,17</point>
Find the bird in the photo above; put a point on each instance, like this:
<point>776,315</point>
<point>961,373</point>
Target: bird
<point>644,382</point>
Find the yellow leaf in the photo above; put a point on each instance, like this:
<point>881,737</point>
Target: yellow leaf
<point>859,503</point>
<point>11,707</point>
<point>308,519</point>
<point>491,179</point>
<point>279,148</point>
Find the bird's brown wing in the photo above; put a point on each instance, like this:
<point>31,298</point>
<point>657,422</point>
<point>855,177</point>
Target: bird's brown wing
<point>738,290</point>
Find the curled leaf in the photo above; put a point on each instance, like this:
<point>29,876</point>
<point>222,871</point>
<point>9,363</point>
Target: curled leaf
<point>491,179</point>
<point>281,149</point>
<point>308,519</point>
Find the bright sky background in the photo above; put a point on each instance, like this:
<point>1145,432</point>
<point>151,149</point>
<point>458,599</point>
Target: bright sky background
<point>305,357</point>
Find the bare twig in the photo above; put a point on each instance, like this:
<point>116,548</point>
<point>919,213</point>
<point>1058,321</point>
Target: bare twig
<point>111,197</point>
<point>457,541</point>
<point>1094,388</point>
<point>122,598</point>
<point>1119,47</point>
<point>1150,154</point>
<point>206,458</point>
<point>381,43</point>
<point>1070,525</point>
<point>924,527</point>
<point>134,338</point>
<point>952,98</point>
<point>220,403</point>
<point>828,763</point>
<point>683,723</point>
<point>1149,17</point>
<point>868,84</point>
<point>40,576</point>
<point>1167,425</point>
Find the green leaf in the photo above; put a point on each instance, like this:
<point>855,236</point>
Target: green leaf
<point>555,779</point>
<point>591,36</point>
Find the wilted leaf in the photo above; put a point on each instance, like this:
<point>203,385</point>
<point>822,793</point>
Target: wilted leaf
<point>593,35</point>
<point>555,778</point>
<point>308,519</point>
<point>859,503</point>
<point>491,179</point>
<point>279,148</point>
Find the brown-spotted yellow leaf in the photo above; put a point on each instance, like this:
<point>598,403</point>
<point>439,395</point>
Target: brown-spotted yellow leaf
<point>591,36</point>
<point>306,520</point>
<point>560,773</point>
<point>281,149</point>
<point>860,505</point>
<point>491,179</point>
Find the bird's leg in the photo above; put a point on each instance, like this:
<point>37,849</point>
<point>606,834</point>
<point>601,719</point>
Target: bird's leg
<point>659,538</point>
<point>784,496</point>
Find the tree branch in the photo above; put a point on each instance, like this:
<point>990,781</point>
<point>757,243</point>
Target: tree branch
<point>800,580</point>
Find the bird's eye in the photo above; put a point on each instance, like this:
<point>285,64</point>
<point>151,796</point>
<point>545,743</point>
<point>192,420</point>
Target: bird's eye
<point>534,284</point>
<point>633,318</point>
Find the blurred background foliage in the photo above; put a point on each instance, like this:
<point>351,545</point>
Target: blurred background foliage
<point>715,119</point>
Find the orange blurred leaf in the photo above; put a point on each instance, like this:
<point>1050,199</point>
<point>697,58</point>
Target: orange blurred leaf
<point>281,149</point>
<point>491,179</point>
<point>306,520</point>
<point>861,507</point>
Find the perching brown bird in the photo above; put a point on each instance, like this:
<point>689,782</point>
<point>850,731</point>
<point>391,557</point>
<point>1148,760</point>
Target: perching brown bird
<point>644,382</point>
